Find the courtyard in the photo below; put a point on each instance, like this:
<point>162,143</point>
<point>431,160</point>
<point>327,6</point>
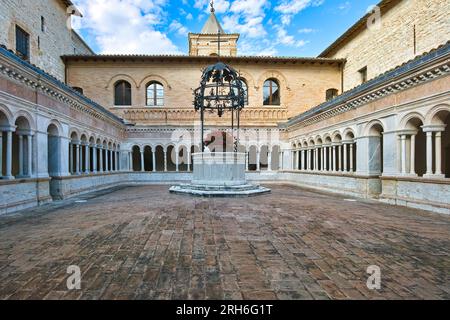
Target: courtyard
<point>141,242</point>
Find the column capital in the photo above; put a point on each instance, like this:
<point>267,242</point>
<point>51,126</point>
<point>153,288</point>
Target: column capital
<point>76,142</point>
<point>434,128</point>
<point>407,132</point>
<point>8,128</point>
<point>24,132</point>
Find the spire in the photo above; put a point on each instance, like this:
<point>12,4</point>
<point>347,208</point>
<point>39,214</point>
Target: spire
<point>212,25</point>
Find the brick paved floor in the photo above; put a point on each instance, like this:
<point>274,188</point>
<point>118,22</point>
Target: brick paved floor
<point>144,243</point>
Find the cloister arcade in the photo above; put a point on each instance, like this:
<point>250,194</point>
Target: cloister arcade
<point>173,158</point>
<point>422,147</point>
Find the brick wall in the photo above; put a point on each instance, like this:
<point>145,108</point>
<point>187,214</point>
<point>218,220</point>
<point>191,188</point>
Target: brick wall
<point>302,85</point>
<point>392,45</point>
<point>46,47</point>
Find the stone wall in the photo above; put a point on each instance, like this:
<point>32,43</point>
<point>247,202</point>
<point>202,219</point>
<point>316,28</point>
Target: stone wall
<point>302,85</point>
<point>393,44</point>
<point>46,47</point>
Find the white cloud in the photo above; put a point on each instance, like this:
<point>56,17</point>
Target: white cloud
<point>289,8</point>
<point>189,16</point>
<point>288,40</point>
<point>177,27</point>
<point>127,26</point>
<point>306,30</point>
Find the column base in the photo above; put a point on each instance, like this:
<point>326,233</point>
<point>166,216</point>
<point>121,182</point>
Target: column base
<point>7,178</point>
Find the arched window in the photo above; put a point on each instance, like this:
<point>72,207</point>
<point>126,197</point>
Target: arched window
<point>331,93</point>
<point>155,94</point>
<point>122,93</point>
<point>271,93</point>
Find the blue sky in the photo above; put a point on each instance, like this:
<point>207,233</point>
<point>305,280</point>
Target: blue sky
<point>278,27</point>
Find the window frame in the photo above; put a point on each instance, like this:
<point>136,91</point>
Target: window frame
<point>125,85</point>
<point>153,86</point>
<point>363,74</point>
<point>271,92</point>
<point>25,41</point>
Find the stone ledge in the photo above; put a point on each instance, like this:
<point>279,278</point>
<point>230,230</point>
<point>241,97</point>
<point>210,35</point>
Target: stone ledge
<point>91,175</point>
<point>416,179</point>
<point>22,180</point>
<point>333,174</point>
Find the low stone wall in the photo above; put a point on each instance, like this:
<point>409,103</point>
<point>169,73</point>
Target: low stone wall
<point>348,184</point>
<point>426,194</point>
<point>20,194</point>
<point>64,187</point>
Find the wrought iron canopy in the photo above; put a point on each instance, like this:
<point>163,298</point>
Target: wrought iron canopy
<point>220,90</point>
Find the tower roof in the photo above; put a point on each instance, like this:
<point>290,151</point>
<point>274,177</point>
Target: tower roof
<point>212,25</point>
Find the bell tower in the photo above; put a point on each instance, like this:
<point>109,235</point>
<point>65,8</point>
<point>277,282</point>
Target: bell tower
<point>208,41</point>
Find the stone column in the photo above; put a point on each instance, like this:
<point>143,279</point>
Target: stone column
<point>21,155</point>
<point>333,166</point>
<point>94,158</point>
<point>322,167</point>
<point>330,158</point>
<point>438,158</point>
<point>177,159</point>
<point>154,160</point>
<point>142,161</point>
<point>130,161</point>
<point>258,164</point>
<point>165,160</point>
<point>351,157</point>
<point>86,157</point>
<point>412,167</point>
<point>403,140</point>
<point>71,167</point>
<point>188,161</point>
<point>339,158</point>
<point>8,165</point>
<point>29,155</point>
<point>100,152</point>
<point>77,157</point>
<point>269,161</point>
<point>429,153</point>
<point>280,160</point>
<point>344,167</point>
<point>247,161</point>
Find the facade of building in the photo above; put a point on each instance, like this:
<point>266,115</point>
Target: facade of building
<point>369,117</point>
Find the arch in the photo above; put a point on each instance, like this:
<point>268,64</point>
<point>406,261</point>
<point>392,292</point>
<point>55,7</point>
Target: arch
<point>403,125</point>
<point>336,137</point>
<point>136,157</point>
<point>29,118</point>
<point>74,134</point>
<point>373,128</point>
<point>156,78</point>
<point>183,158</point>
<point>248,77</point>
<point>252,150</point>
<point>120,77</point>
<point>349,134</point>
<point>148,158</point>
<point>276,75</point>
<point>6,116</point>
<point>171,156</point>
<point>159,155</point>
<point>435,115</point>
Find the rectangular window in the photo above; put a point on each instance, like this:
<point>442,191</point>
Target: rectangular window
<point>363,74</point>
<point>22,43</point>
